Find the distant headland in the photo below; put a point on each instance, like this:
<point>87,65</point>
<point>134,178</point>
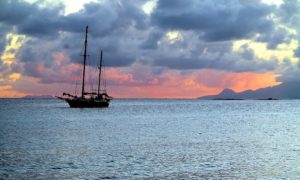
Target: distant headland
<point>37,97</point>
<point>287,90</point>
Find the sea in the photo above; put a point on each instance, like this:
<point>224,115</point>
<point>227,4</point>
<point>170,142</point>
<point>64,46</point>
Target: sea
<point>150,139</point>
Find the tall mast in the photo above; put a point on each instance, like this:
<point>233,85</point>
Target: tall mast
<point>84,60</point>
<point>100,68</point>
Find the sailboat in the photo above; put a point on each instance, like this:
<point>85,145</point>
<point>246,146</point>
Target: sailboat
<point>88,99</point>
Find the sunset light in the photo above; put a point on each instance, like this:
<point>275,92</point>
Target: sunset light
<point>151,50</point>
<point>149,89</point>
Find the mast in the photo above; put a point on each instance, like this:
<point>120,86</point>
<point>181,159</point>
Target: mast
<point>84,60</point>
<point>100,67</point>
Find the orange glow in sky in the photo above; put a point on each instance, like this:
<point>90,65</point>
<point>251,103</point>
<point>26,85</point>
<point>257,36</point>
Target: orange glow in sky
<point>174,85</point>
<point>6,91</point>
<point>167,85</point>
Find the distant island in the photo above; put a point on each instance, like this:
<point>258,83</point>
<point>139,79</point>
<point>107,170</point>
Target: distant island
<point>287,90</point>
<point>37,97</point>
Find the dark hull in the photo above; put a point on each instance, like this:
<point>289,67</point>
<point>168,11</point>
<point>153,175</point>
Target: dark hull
<point>83,103</point>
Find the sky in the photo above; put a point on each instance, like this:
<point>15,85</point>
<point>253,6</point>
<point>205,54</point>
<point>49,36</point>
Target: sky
<point>152,48</point>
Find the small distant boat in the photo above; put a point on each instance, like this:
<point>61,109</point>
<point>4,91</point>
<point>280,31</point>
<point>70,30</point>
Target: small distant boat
<point>88,99</point>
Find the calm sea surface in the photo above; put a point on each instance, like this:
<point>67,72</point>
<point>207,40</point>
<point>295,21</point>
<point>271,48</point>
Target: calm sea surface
<point>151,139</point>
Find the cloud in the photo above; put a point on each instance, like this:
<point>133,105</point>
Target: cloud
<point>228,62</point>
<point>40,51</point>
<point>105,18</point>
<point>225,20</point>
<point>175,36</point>
<point>122,30</point>
<point>9,15</point>
<point>34,20</point>
<point>30,19</point>
<point>217,55</point>
<point>289,12</point>
<point>3,42</point>
<point>152,41</point>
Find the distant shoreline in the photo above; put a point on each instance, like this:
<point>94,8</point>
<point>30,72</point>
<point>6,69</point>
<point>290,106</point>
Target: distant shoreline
<point>197,99</point>
<point>237,99</point>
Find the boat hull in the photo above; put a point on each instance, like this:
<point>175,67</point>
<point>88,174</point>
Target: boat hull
<point>79,103</point>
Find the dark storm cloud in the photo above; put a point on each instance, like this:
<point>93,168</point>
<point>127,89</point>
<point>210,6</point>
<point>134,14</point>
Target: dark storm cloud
<point>29,19</point>
<point>297,52</point>
<point>290,15</point>
<point>247,53</point>
<point>15,11</point>
<point>289,12</point>
<point>42,24</point>
<point>277,36</point>
<point>109,58</point>
<point>290,72</point>
<point>216,55</point>
<point>3,42</point>
<point>217,21</point>
<point>226,62</point>
<point>152,40</point>
<point>105,18</point>
<point>32,20</point>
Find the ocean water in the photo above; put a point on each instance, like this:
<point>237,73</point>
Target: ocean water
<point>150,139</point>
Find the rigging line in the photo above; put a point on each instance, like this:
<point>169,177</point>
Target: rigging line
<point>68,86</point>
<point>76,89</point>
<point>104,77</point>
<point>92,76</point>
<point>75,81</point>
<point>80,61</point>
<point>87,74</point>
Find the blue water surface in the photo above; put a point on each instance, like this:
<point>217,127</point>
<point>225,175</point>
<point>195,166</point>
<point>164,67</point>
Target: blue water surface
<point>150,139</point>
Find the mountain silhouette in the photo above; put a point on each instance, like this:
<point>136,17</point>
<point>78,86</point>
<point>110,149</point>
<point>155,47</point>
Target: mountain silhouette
<point>287,90</point>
